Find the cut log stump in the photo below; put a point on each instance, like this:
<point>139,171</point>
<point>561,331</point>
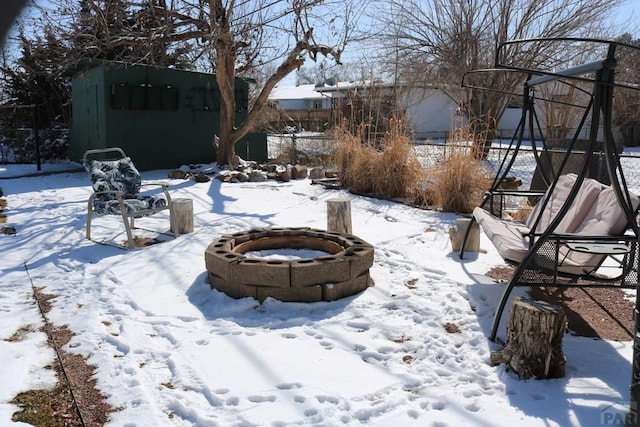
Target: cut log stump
<point>339,215</point>
<point>456,235</point>
<point>183,216</point>
<point>534,340</point>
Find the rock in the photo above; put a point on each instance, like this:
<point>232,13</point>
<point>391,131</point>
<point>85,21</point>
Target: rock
<point>8,230</point>
<point>330,174</point>
<point>316,173</point>
<point>299,172</point>
<point>285,175</point>
<point>241,177</point>
<point>200,177</point>
<point>257,176</point>
<point>272,168</point>
<point>177,174</point>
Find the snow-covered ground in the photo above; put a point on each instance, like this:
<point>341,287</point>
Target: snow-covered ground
<point>170,351</point>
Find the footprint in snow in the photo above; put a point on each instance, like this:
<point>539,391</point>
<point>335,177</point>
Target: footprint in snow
<point>289,386</point>
<point>232,401</point>
<point>360,327</point>
<point>326,344</point>
<point>471,393</point>
<point>472,407</point>
<point>261,399</point>
<point>310,412</point>
<point>328,399</point>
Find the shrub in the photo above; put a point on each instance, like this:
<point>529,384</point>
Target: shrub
<point>459,181</point>
<point>387,169</point>
<point>390,169</point>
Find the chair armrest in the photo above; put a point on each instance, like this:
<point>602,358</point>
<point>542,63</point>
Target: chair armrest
<point>163,185</point>
<point>156,183</point>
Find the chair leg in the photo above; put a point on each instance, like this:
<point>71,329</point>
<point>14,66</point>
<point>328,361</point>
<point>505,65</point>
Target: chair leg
<point>89,215</point>
<point>172,222</point>
<point>127,228</point>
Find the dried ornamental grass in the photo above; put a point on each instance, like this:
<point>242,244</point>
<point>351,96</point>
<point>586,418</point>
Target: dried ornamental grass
<point>390,171</point>
<point>459,182</point>
<point>397,169</point>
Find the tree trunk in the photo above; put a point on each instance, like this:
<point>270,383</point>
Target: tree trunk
<point>226,54</point>
<point>534,340</point>
<point>226,79</point>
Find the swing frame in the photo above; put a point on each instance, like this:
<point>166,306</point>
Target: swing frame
<point>597,113</point>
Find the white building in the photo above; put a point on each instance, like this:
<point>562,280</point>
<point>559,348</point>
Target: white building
<point>302,97</point>
<point>428,110</point>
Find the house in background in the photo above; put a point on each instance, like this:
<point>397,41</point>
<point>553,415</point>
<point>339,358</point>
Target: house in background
<point>301,107</point>
<point>429,110</point>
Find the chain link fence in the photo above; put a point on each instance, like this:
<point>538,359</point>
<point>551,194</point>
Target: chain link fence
<point>23,141</point>
<point>318,149</point>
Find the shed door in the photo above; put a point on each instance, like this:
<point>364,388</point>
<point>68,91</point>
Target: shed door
<point>92,127</point>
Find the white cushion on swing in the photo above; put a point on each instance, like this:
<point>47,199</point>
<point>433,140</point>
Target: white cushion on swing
<point>605,218</point>
<point>595,212</point>
<point>587,195</point>
<point>507,236</point>
<point>606,215</point>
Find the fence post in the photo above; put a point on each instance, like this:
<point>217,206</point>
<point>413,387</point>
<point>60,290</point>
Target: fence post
<point>294,155</point>
<point>36,134</point>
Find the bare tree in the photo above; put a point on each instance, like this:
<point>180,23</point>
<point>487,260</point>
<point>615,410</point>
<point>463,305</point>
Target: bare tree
<point>233,38</point>
<point>240,38</point>
<point>437,41</point>
<point>626,104</point>
<point>241,33</point>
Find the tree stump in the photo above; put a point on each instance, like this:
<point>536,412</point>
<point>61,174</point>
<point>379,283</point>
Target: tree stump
<point>339,215</point>
<point>456,235</point>
<point>182,216</point>
<point>534,340</point>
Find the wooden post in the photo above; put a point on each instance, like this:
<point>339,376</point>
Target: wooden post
<point>339,215</point>
<point>534,340</point>
<point>182,216</point>
<point>456,235</point>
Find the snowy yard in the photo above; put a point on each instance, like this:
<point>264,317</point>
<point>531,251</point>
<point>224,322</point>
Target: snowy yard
<point>170,351</point>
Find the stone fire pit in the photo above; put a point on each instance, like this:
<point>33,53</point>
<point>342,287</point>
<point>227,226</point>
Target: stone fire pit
<point>343,272</point>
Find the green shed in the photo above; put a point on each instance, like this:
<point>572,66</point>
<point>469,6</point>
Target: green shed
<point>161,117</point>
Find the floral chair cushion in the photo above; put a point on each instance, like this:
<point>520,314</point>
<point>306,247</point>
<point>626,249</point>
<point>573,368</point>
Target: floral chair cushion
<point>119,176</point>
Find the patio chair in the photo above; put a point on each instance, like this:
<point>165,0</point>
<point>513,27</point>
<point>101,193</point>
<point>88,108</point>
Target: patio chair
<point>116,191</point>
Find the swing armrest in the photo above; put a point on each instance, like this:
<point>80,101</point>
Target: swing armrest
<point>521,193</point>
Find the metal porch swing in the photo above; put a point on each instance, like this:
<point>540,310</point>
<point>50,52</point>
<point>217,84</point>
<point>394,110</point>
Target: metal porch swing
<point>582,228</point>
